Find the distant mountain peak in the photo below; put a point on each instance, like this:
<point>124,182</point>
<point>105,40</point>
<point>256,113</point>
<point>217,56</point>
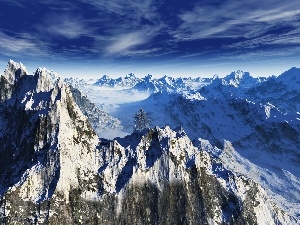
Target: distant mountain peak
<point>215,77</point>
<point>151,84</point>
<point>105,77</point>
<point>130,75</point>
<point>128,81</point>
<point>293,73</point>
<point>239,74</point>
<point>148,77</point>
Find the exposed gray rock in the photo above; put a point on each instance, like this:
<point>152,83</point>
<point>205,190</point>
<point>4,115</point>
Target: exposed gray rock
<point>100,120</point>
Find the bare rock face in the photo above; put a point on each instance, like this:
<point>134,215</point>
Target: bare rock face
<point>55,170</point>
<point>12,74</point>
<point>100,120</point>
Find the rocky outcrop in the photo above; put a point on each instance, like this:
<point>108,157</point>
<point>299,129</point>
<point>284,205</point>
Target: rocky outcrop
<point>42,133</point>
<point>100,120</point>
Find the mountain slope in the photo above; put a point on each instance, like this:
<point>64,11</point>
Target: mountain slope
<point>258,134</point>
<point>42,133</point>
<point>100,120</point>
<point>283,91</point>
<point>256,117</point>
<point>183,180</point>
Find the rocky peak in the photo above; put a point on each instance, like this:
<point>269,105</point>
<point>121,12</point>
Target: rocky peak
<point>148,78</point>
<point>166,161</point>
<point>46,80</point>
<point>215,77</point>
<point>130,76</point>
<point>42,124</point>
<point>167,80</point>
<point>104,80</point>
<point>14,71</point>
<point>236,78</point>
<point>11,76</point>
<point>50,74</point>
<point>105,77</point>
<point>128,81</point>
<point>238,75</point>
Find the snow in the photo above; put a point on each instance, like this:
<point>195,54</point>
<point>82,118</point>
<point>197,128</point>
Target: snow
<point>283,187</point>
<point>169,108</point>
<point>17,65</point>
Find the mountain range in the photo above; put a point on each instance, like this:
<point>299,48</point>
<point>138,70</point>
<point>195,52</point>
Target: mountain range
<point>220,150</point>
<point>146,84</point>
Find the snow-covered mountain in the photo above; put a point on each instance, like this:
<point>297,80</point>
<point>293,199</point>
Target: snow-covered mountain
<point>129,80</point>
<point>263,140</point>
<point>235,83</point>
<point>241,166</point>
<point>149,83</point>
<point>42,132</point>
<point>259,133</point>
<point>169,84</point>
<point>99,119</point>
<point>282,91</point>
<point>241,79</point>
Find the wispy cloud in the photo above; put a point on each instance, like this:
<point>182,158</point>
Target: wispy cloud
<point>117,29</point>
<point>17,44</point>
<point>134,42</point>
<point>258,55</point>
<point>235,19</point>
<point>63,25</point>
<point>18,3</point>
<point>135,25</point>
<point>129,10</point>
<point>125,42</point>
<point>291,37</point>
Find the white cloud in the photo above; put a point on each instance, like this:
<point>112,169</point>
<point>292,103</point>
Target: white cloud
<point>15,44</point>
<point>276,15</point>
<point>125,42</point>
<point>126,26</point>
<point>25,45</point>
<point>235,19</point>
<point>137,28</point>
<point>132,9</point>
<point>287,38</point>
<point>284,54</point>
<point>18,3</point>
<point>63,25</point>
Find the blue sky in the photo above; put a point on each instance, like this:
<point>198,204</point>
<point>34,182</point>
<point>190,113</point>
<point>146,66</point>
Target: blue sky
<point>89,38</point>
